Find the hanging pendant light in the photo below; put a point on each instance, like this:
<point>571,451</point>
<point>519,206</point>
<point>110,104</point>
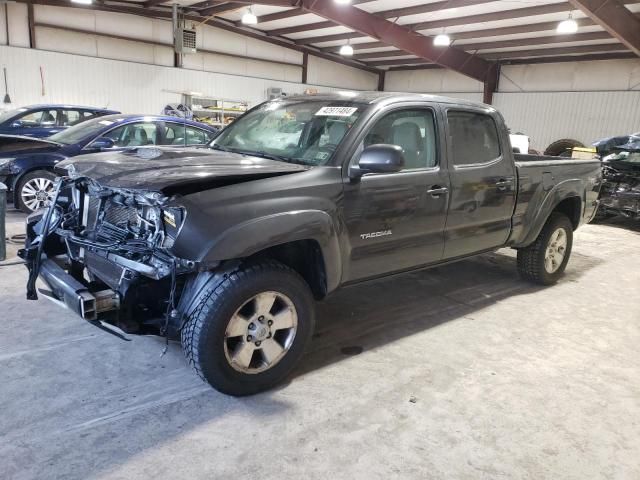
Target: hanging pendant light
<point>567,26</point>
<point>249,18</point>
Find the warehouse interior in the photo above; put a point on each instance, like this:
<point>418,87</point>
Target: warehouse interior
<point>469,364</point>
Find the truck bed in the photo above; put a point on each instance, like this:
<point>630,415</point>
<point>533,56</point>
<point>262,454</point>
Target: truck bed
<point>542,179</point>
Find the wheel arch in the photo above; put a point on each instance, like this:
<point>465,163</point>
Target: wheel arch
<point>305,240</point>
<point>565,198</point>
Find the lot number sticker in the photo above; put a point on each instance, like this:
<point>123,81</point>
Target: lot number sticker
<point>336,111</point>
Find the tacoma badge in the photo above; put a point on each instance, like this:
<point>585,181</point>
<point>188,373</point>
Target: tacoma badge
<point>382,233</point>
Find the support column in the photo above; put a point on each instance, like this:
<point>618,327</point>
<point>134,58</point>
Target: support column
<point>491,83</point>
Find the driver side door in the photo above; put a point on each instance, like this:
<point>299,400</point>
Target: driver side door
<point>395,221</point>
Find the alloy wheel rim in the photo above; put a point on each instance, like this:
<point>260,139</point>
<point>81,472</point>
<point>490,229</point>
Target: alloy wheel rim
<point>37,193</point>
<point>556,250</point>
<point>260,333</point>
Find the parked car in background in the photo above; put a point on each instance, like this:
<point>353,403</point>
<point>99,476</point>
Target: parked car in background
<point>26,164</point>
<point>610,145</point>
<point>620,194</point>
<point>45,120</point>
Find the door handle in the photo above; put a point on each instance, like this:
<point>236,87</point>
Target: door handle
<point>503,183</point>
<point>436,190</point>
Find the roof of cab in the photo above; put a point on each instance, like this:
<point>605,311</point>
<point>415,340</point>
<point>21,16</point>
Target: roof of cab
<point>386,97</point>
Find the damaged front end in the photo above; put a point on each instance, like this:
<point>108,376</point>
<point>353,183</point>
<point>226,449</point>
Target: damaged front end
<point>106,254</point>
<point>620,193</point>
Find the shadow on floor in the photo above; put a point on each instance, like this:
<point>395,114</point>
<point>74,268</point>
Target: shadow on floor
<point>619,222</point>
<point>376,313</point>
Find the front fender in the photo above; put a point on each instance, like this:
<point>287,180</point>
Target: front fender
<point>535,218</point>
<point>253,236</point>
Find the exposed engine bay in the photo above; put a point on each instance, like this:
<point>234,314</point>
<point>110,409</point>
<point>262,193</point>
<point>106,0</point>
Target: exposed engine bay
<point>94,244</point>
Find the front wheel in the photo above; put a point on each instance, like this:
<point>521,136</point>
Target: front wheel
<point>249,330</point>
<point>35,190</point>
<point>545,260</point>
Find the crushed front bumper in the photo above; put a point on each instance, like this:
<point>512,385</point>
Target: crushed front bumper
<point>74,295</point>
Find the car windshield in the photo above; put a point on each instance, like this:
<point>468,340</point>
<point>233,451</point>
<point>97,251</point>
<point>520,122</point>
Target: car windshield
<point>82,130</point>
<point>9,114</point>
<point>306,131</point>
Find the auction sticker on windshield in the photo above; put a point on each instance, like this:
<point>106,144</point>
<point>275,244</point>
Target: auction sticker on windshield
<point>336,111</point>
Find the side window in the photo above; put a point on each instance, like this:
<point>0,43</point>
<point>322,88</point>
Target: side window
<point>134,134</point>
<point>41,118</point>
<point>69,118</point>
<point>195,136</point>
<point>413,130</point>
<point>473,137</point>
<point>177,134</point>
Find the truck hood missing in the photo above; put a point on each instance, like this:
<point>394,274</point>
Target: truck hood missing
<point>170,171</point>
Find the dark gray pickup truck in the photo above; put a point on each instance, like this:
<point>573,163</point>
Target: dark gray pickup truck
<point>226,247</point>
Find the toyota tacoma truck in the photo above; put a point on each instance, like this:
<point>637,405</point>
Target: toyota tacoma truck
<point>227,247</point>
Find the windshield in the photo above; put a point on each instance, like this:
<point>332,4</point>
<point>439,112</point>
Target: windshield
<point>307,131</point>
<point>624,156</point>
<point>9,114</point>
<point>82,130</point>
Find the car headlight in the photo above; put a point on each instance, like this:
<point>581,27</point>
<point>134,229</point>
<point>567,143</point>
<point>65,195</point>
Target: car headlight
<point>5,163</point>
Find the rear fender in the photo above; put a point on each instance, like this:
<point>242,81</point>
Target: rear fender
<point>259,234</point>
<point>536,218</point>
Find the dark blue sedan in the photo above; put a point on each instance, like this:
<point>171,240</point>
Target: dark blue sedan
<point>26,164</point>
<point>45,120</point>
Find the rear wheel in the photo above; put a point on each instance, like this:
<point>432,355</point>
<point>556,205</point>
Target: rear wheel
<point>248,332</point>
<point>545,260</point>
<point>35,190</point>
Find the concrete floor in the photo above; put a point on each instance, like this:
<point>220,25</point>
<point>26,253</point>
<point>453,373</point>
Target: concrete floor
<point>466,372</point>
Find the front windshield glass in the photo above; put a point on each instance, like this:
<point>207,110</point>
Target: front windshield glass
<point>81,131</point>
<point>9,114</point>
<point>306,131</point>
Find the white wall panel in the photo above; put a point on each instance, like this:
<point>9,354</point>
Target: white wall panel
<point>18,24</point>
<point>3,24</point>
<point>430,81</point>
<point>572,76</point>
<point>584,116</point>
<point>325,72</point>
<point>126,86</point>
<point>67,42</point>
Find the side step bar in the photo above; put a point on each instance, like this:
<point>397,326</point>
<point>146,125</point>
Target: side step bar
<point>74,294</point>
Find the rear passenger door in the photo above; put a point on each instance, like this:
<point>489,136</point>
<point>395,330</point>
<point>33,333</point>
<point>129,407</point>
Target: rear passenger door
<point>482,180</point>
<point>395,221</point>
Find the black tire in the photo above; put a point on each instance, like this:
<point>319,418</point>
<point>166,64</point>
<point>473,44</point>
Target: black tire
<point>203,335</point>
<point>36,174</point>
<point>562,147</point>
<point>531,260</point>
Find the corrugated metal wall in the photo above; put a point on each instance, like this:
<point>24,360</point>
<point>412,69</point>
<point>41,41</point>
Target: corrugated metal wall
<point>583,116</point>
<point>126,86</point>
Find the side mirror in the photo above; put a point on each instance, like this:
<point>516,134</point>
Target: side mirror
<point>102,143</point>
<point>17,124</point>
<point>380,158</point>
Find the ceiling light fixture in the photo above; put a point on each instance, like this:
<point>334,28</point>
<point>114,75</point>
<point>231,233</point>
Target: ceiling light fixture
<point>83,2</point>
<point>342,2</point>
<point>567,26</point>
<point>346,50</point>
<point>249,18</point>
<point>442,40</point>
